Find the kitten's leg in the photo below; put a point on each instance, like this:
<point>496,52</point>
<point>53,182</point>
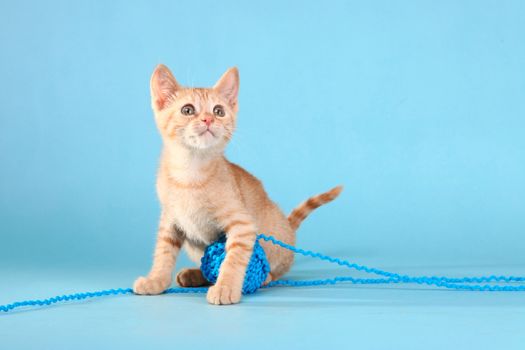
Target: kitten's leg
<point>269,278</point>
<point>166,251</point>
<point>191,278</point>
<point>241,235</point>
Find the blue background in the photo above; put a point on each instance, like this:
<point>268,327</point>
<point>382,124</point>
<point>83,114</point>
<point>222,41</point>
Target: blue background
<point>416,107</point>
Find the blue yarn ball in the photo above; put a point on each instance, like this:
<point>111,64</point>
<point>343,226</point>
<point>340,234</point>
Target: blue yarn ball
<point>256,272</point>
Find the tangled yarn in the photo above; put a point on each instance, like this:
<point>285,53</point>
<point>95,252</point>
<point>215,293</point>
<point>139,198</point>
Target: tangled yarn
<point>258,269</point>
<point>256,272</point>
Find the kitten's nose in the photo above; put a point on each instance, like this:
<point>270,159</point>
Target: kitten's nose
<point>207,119</point>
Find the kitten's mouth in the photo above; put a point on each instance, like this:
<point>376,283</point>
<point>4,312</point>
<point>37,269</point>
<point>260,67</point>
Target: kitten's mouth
<point>207,131</point>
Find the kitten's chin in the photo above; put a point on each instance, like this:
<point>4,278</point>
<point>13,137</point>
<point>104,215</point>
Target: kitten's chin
<point>204,141</point>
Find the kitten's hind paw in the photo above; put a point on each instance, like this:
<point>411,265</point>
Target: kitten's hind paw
<point>150,286</point>
<point>191,278</point>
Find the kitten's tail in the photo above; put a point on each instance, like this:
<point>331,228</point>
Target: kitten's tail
<point>304,209</point>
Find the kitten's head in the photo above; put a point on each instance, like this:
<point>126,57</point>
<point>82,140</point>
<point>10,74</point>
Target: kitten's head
<point>195,118</point>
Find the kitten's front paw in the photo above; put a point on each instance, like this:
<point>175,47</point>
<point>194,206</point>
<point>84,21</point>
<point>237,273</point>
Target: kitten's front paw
<point>150,286</point>
<point>222,294</point>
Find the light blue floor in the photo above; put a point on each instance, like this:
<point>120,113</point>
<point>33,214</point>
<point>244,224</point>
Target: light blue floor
<point>344,316</point>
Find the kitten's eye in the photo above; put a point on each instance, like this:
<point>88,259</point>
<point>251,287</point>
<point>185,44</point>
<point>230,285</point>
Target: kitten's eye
<point>219,111</point>
<point>188,110</point>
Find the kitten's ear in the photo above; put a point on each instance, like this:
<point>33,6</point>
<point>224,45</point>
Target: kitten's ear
<point>163,87</point>
<point>228,86</point>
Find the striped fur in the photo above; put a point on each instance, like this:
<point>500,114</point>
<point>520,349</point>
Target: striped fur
<point>304,209</point>
<point>203,194</point>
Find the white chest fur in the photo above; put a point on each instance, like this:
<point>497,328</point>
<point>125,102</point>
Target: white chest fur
<point>191,215</point>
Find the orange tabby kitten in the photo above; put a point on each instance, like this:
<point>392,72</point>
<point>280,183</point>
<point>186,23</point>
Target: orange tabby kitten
<point>202,194</point>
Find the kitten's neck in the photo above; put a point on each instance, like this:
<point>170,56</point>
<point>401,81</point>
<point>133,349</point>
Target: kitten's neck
<point>190,166</point>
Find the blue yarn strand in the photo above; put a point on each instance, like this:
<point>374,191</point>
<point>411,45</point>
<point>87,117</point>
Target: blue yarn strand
<point>459,283</point>
<point>392,277</point>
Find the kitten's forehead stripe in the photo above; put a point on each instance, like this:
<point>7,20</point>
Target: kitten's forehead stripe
<point>202,98</point>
